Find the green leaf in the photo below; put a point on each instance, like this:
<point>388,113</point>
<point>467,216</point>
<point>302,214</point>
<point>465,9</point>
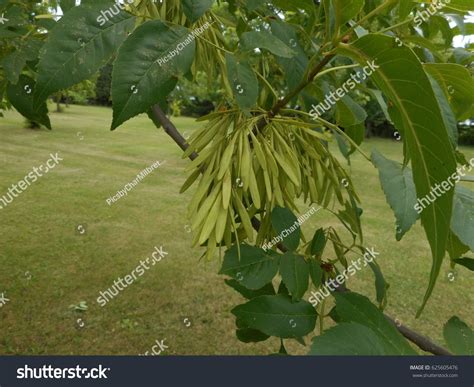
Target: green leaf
<point>418,117</point>
<point>21,97</point>
<point>460,25</point>
<point>278,316</point>
<point>294,271</point>
<point>462,221</point>
<point>356,133</point>
<point>378,96</point>
<point>266,290</point>
<point>282,289</point>
<point>254,269</point>
<point>315,272</point>
<point>253,39</point>
<point>77,47</point>
<point>350,339</point>
<point>336,244</point>
<point>440,25</point>
<point>457,84</point>
<point>243,81</point>
<point>247,335</point>
<point>466,262</point>
<point>296,66</point>
<point>455,247</point>
<point>459,337</point>
<point>294,6</point>
<point>347,10</point>
<point>447,113</point>
<point>381,286</point>
<point>194,9</point>
<point>6,33</point>
<point>462,28</point>
<point>47,24</point>
<point>66,5</point>
<point>350,216</point>
<point>351,116</point>
<point>459,5</point>
<point>13,65</point>
<point>399,188</point>
<point>343,145</point>
<point>397,183</point>
<point>285,222</point>
<point>462,56</point>
<point>318,243</point>
<point>31,49</point>
<point>404,8</point>
<point>349,113</point>
<point>153,52</point>
<point>430,52</point>
<point>353,307</point>
<point>252,5</point>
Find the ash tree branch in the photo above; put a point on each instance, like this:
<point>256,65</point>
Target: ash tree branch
<point>171,130</point>
<point>280,104</point>
<point>422,342</point>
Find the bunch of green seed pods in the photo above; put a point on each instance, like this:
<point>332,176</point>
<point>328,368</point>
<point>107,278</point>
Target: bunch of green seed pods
<point>243,173</point>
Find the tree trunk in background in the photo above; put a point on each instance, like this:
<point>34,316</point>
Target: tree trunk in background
<point>58,103</point>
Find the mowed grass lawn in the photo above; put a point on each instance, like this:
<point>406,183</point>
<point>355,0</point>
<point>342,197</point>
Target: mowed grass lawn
<point>46,265</point>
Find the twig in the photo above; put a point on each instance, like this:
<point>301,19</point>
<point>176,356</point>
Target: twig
<point>284,101</point>
<point>171,130</point>
<point>421,341</point>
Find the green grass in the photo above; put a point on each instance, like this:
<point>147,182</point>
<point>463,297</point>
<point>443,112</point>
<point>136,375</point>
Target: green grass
<point>39,237</point>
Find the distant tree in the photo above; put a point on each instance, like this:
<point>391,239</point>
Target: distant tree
<point>103,86</point>
<point>81,94</point>
<point>199,97</point>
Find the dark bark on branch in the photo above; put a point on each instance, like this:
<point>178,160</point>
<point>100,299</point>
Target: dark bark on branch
<point>421,341</point>
<point>171,130</point>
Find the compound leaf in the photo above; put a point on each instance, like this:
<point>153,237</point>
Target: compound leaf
<point>77,47</point>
